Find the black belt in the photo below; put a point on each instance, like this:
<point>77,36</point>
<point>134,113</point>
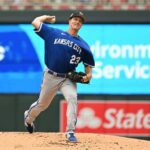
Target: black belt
<point>57,74</point>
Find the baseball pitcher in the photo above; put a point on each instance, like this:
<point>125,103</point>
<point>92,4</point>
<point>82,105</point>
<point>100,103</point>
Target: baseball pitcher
<point>64,50</point>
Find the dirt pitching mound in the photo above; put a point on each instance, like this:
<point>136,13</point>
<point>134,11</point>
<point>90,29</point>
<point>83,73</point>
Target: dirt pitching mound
<point>57,141</point>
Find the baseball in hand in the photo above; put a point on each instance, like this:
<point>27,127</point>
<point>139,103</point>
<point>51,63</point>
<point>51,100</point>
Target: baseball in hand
<point>53,20</point>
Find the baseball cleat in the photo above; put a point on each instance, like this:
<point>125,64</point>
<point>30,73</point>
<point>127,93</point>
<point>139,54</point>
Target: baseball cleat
<point>71,137</point>
<point>29,127</point>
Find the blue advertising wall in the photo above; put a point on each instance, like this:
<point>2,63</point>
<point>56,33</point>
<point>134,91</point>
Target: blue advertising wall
<point>121,53</point>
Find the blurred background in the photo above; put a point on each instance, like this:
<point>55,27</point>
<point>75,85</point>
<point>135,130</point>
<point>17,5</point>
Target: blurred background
<point>117,101</point>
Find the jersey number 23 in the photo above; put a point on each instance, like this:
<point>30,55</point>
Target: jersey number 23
<point>74,59</point>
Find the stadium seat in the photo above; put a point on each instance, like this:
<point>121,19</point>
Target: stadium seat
<point>116,6</point>
<point>147,6</point>
<point>14,7</point>
<point>47,7</point>
<point>132,6</point>
<point>29,7</point>
<point>64,7</point>
<point>80,6</point>
<point>99,7</point>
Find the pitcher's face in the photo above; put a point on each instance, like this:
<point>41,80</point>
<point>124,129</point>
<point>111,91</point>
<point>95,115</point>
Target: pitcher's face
<point>75,23</point>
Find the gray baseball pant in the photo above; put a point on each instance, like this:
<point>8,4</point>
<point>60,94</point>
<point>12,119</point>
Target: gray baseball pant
<point>51,84</point>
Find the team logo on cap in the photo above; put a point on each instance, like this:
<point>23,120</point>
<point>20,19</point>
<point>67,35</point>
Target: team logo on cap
<point>71,15</point>
<point>81,13</point>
